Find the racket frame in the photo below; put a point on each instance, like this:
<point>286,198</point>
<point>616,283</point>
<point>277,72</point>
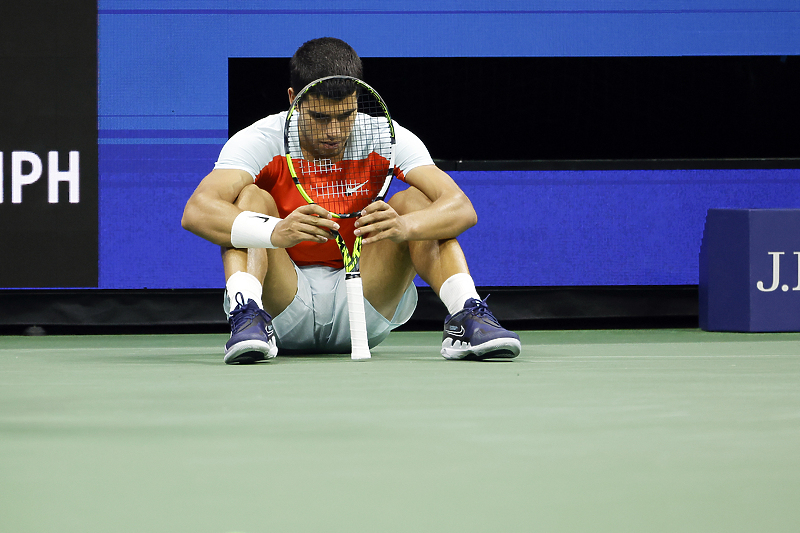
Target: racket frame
<point>353,284</point>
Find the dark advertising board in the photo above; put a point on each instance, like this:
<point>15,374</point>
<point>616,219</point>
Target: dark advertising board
<point>48,145</point>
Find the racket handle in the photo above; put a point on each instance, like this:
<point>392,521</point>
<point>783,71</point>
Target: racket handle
<point>358,320</point>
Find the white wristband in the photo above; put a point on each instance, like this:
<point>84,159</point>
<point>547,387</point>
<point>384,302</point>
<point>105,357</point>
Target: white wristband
<point>253,230</point>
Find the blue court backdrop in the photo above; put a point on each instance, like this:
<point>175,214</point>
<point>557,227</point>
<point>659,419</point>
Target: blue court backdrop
<point>163,104</point>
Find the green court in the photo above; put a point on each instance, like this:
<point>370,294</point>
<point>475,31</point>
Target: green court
<point>637,430</point>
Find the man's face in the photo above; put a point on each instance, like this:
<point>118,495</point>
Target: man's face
<point>325,125</point>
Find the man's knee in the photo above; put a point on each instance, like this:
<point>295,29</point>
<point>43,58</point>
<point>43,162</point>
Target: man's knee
<point>253,198</point>
<point>408,201</point>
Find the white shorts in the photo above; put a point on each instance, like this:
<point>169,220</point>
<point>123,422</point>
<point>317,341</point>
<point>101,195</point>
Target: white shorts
<point>317,320</point>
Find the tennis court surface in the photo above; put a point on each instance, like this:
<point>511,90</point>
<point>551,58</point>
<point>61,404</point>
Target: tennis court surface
<point>637,430</point>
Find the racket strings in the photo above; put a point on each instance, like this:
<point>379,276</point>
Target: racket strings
<point>340,149</point>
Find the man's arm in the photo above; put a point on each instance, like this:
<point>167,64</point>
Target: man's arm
<point>449,214</point>
<point>211,210</point>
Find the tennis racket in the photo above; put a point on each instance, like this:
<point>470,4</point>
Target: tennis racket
<point>339,141</point>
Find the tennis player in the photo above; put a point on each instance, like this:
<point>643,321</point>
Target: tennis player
<point>280,258</point>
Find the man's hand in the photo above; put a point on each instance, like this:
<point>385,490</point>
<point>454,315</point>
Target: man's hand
<point>306,223</point>
<point>379,221</point>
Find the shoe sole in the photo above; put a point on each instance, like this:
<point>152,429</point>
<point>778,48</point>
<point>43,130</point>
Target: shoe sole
<point>249,352</point>
<point>495,349</point>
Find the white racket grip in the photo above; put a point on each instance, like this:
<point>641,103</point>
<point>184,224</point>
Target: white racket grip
<point>358,320</point>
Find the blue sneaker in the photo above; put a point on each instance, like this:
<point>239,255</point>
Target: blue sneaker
<point>474,333</point>
<point>252,336</point>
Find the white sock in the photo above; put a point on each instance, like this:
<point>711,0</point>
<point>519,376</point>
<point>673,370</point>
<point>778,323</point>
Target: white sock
<point>456,290</point>
<point>248,285</point>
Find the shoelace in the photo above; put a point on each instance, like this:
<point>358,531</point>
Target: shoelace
<point>239,300</point>
<point>242,313</point>
<point>481,309</point>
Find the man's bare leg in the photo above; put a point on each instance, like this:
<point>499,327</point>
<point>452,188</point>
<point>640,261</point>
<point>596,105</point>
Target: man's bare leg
<point>259,283</point>
<point>388,268</point>
<point>470,330</point>
<point>273,269</point>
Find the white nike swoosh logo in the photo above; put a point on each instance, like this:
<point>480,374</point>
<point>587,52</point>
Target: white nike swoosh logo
<point>351,190</point>
<point>458,332</point>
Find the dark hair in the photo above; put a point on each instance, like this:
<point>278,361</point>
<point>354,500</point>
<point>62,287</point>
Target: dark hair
<point>326,56</point>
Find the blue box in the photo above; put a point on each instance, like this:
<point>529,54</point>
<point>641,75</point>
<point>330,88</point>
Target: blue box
<point>750,270</point>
